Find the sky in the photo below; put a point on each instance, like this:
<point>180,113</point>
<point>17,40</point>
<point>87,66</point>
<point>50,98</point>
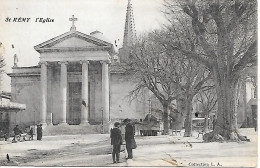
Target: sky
<point>107,16</point>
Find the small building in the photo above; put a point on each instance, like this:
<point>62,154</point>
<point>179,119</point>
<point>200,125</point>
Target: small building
<point>10,112</point>
<point>247,102</point>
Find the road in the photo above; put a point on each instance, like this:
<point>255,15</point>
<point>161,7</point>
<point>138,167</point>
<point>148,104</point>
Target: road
<point>167,150</point>
<point>73,153</point>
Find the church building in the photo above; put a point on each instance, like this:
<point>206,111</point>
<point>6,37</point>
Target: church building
<point>78,81</point>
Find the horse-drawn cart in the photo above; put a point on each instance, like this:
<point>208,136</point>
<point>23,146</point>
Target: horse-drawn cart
<point>150,126</point>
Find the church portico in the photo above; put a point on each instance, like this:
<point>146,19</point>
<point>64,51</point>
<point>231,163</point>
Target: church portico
<point>76,90</point>
<point>82,90</point>
<point>81,76</point>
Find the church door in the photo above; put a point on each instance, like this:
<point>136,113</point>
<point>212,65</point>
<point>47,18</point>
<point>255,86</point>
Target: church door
<point>74,103</point>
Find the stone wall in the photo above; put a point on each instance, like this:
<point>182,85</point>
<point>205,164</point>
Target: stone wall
<point>120,105</point>
<point>25,89</point>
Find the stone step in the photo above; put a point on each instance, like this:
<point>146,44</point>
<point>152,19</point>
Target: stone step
<point>71,129</point>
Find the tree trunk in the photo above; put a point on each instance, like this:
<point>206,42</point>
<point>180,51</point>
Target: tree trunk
<point>226,126</point>
<point>165,119</point>
<point>188,120</point>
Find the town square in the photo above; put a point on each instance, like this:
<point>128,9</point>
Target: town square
<point>128,83</point>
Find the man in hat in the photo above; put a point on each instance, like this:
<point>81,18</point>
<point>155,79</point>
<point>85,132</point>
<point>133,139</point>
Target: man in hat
<point>17,133</point>
<point>31,133</point>
<point>39,132</point>
<point>116,141</point>
<point>129,138</point>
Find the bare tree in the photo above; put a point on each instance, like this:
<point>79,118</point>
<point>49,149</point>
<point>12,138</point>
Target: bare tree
<point>166,73</point>
<point>193,77</point>
<point>222,36</point>
<point>154,70</point>
<point>208,100</point>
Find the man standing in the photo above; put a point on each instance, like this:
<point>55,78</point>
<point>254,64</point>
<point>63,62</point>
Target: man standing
<point>31,134</point>
<point>129,138</point>
<point>116,141</point>
<point>17,133</point>
<point>39,132</point>
<point>214,122</point>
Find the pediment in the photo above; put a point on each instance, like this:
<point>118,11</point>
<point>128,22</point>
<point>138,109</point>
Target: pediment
<point>73,40</point>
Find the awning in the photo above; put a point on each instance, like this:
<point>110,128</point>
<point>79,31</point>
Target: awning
<point>11,106</point>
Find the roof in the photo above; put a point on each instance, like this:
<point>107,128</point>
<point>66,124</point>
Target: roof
<point>150,117</point>
<point>6,95</point>
<point>11,106</point>
<point>99,44</point>
<point>97,34</point>
<point>28,67</point>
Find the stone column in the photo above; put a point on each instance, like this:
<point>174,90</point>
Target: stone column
<point>105,91</point>
<point>85,105</point>
<point>63,87</point>
<point>43,114</point>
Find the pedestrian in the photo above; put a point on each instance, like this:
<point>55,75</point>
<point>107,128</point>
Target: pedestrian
<point>116,141</point>
<point>214,122</point>
<point>255,123</point>
<point>1,134</point>
<point>39,132</point>
<point>17,133</point>
<point>5,136</point>
<point>31,134</point>
<point>129,138</point>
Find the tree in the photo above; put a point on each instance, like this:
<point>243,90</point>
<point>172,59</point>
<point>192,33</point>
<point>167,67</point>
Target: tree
<point>222,36</point>
<point>154,70</point>
<point>192,79</point>
<point>208,100</point>
<point>166,73</point>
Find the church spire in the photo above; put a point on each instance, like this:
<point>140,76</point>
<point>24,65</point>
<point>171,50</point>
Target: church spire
<point>130,33</point>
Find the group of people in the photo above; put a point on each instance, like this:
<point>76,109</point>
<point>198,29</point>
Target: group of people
<point>3,134</point>
<point>18,132</point>
<point>117,140</point>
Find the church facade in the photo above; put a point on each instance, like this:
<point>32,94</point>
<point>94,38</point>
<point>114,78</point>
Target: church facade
<point>77,81</point>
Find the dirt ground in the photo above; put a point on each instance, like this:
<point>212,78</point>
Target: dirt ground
<point>95,150</point>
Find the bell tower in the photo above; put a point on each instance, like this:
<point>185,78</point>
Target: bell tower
<point>129,33</point>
